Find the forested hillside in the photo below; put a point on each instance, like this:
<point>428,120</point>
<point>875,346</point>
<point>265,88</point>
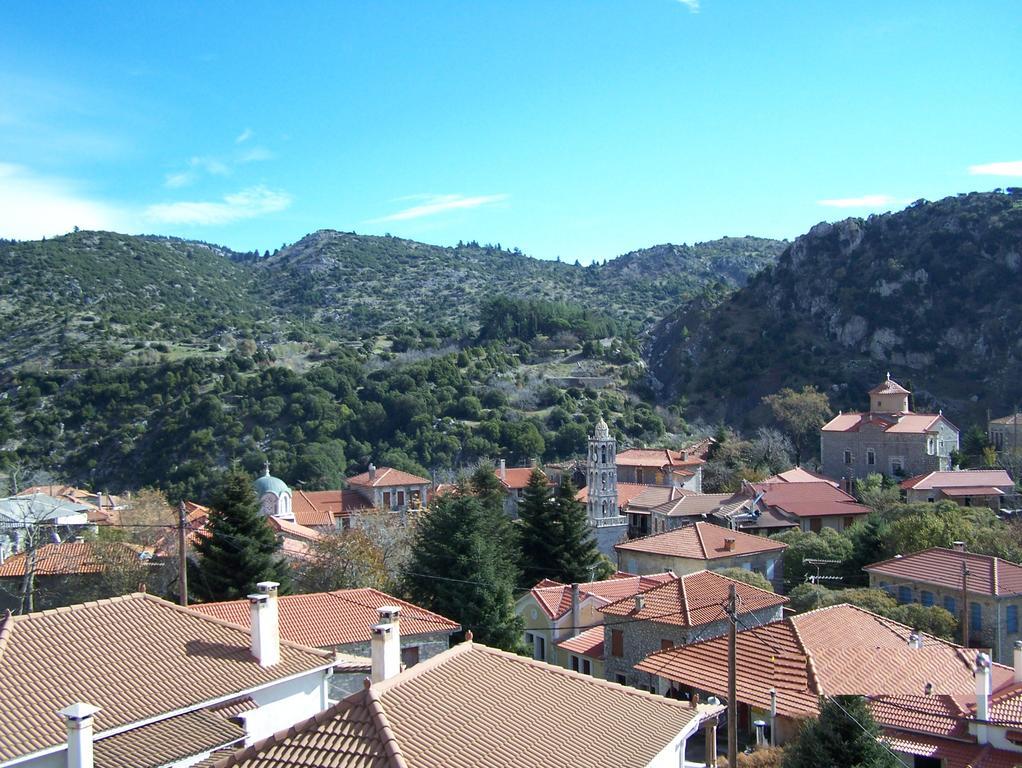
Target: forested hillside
<point>927,293</point>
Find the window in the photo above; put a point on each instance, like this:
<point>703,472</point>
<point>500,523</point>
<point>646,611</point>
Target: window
<point>975,617</point>
<point>638,475</point>
<point>1011,618</point>
<point>897,465</point>
<point>400,498</point>
<point>587,667</point>
<point>848,457</point>
<point>931,446</point>
<point>847,521</point>
<point>950,605</point>
<point>871,456</point>
<point>604,480</point>
<point>386,499</point>
<point>666,645</point>
<point>574,663</point>
<point>410,656</point>
<point>620,680</point>
<point>603,455</point>
<point>540,650</point>
<point>904,594</point>
<point>816,524</point>
<point>926,598</point>
<point>604,509</point>
<point>617,643</point>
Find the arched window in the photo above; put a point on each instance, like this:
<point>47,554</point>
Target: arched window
<point>603,452</point>
<point>604,509</point>
<point>604,480</point>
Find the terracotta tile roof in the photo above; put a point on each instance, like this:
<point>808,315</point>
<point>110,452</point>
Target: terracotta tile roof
<point>514,477</point>
<point>799,475</point>
<point>837,650</point>
<point>588,643</point>
<point>323,619</point>
<point>963,478</point>
<point>167,741</point>
<point>316,508</point>
<point>692,600</point>
<point>626,492</point>
<point>938,715</point>
<point>1009,419</point>
<point>654,496</point>
<point>49,660</point>
<point>700,541</point>
<point>951,754</point>
<point>972,491</point>
<point>656,458</point>
<point>473,706</point>
<point>1005,705</point>
<point>73,557</point>
<point>694,505</point>
<point>555,598</point>
<point>910,423</point>
<point>810,499</point>
<point>889,387</point>
<point>943,568</point>
<point>387,477</point>
<point>294,530</point>
<point>915,423</point>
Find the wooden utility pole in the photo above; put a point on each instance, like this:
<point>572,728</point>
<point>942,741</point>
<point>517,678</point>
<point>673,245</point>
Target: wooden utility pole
<point>965,605</point>
<point>732,679</point>
<point>182,555</point>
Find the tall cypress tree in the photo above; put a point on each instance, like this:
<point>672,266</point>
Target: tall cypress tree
<point>459,569</point>
<point>579,559</point>
<point>241,549</point>
<point>539,532</point>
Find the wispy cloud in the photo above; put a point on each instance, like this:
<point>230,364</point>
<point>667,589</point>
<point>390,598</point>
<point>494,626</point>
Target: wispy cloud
<point>437,204</point>
<point>254,155</point>
<point>244,136</point>
<point>246,204</point>
<point>692,5</point>
<point>866,201</point>
<point>213,165</point>
<point>34,206</point>
<point>1009,168</point>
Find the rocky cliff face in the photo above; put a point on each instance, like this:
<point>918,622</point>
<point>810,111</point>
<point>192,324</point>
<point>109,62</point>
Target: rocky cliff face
<point>928,293</point>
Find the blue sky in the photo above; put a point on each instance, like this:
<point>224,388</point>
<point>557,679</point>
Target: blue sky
<point>573,129</point>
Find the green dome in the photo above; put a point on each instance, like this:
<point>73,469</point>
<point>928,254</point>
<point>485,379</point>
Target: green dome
<point>270,484</point>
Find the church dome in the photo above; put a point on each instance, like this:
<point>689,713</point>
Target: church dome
<point>270,484</point>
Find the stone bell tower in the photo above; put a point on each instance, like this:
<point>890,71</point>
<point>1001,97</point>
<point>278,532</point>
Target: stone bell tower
<point>602,474</point>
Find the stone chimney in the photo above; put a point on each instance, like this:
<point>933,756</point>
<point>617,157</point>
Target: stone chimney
<point>265,624</point>
<point>503,470</point>
<point>372,472</point>
<point>958,546</point>
<point>640,602</point>
<point>729,544</point>
<point>386,644</point>
<point>982,697</point>
<point>79,734</point>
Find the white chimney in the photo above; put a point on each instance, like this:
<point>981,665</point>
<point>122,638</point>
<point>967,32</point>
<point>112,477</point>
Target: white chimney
<point>1018,661</point>
<point>386,648</point>
<point>265,624</point>
<point>372,472</point>
<point>79,734</point>
<point>503,470</point>
<point>640,602</point>
<point>958,546</point>
<point>915,640</point>
<point>982,696</point>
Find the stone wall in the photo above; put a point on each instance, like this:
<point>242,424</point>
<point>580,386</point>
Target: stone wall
<point>768,564</point>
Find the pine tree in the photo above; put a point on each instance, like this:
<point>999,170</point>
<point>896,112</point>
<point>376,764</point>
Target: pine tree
<point>579,559</point>
<point>844,734</point>
<point>540,532</point>
<point>458,569</point>
<point>241,549</point>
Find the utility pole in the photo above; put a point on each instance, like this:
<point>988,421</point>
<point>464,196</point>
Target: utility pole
<point>182,555</point>
<point>732,679</point>
<point>965,605</point>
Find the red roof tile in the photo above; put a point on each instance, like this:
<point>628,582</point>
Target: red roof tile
<point>943,568</point>
<point>70,558</point>
<point>514,477</point>
<point>555,598</point>
<point>909,423</point>
<point>294,530</point>
<point>701,541</point>
<point>323,619</point>
<point>387,477</point>
<point>889,387</point>
<point>964,478</point>
<point>692,600</point>
<point>952,754</point>
<point>588,643</point>
<point>626,492</point>
<point>936,715</point>
<point>657,458</point>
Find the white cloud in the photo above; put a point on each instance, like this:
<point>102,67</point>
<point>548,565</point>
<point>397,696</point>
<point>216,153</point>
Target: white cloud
<point>34,206</point>
<point>436,204</point>
<point>1009,168</point>
<point>211,165</point>
<point>692,5</point>
<point>255,155</point>
<point>245,204</point>
<point>866,201</point>
<point>178,180</point>
<point>244,136</point>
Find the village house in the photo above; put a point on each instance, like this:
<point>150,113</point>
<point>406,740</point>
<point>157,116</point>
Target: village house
<point>889,439</point>
<point>34,518</point>
<point>1004,433</point>
<point>807,501</point>
<point>938,704</point>
<point>684,610</point>
<point>139,681</point>
<point>660,466</point>
<point>703,546</point>
<point>935,577</point>
<point>474,707</point>
<point>555,615</point>
<point>514,481</point>
<point>102,507</point>
<point>391,489</point>
<point>966,487</point>
<point>342,621</point>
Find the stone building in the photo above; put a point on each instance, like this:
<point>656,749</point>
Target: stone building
<point>601,498</point>
<point>682,611</point>
<point>391,489</point>
<point>966,487</point>
<point>1004,433</point>
<point>274,496</point>
<point>889,439</point>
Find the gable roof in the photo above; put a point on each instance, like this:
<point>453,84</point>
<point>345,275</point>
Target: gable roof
<point>473,705</point>
<point>555,598</point>
<point>656,458</point>
<point>626,492</point>
<point>963,478</point>
<point>905,423</point>
<point>889,387</point>
<point>387,477</point>
<point>694,504</point>
<point>836,650</point>
<point>692,600</point>
<point>799,475</point>
<point>50,659</point>
<point>316,508</point>
<point>515,477</point>
<point>588,643</point>
<point>293,530</point>
<point>942,567</point>
<point>322,619</point>
<point>75,558</point>
<point>700,541</point>
<point>809,499</point>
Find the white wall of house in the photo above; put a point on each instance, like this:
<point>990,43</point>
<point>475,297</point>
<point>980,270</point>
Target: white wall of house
<point>285,703</point>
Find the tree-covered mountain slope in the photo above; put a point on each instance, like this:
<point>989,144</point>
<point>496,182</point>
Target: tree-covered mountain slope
<point>928,293</point>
